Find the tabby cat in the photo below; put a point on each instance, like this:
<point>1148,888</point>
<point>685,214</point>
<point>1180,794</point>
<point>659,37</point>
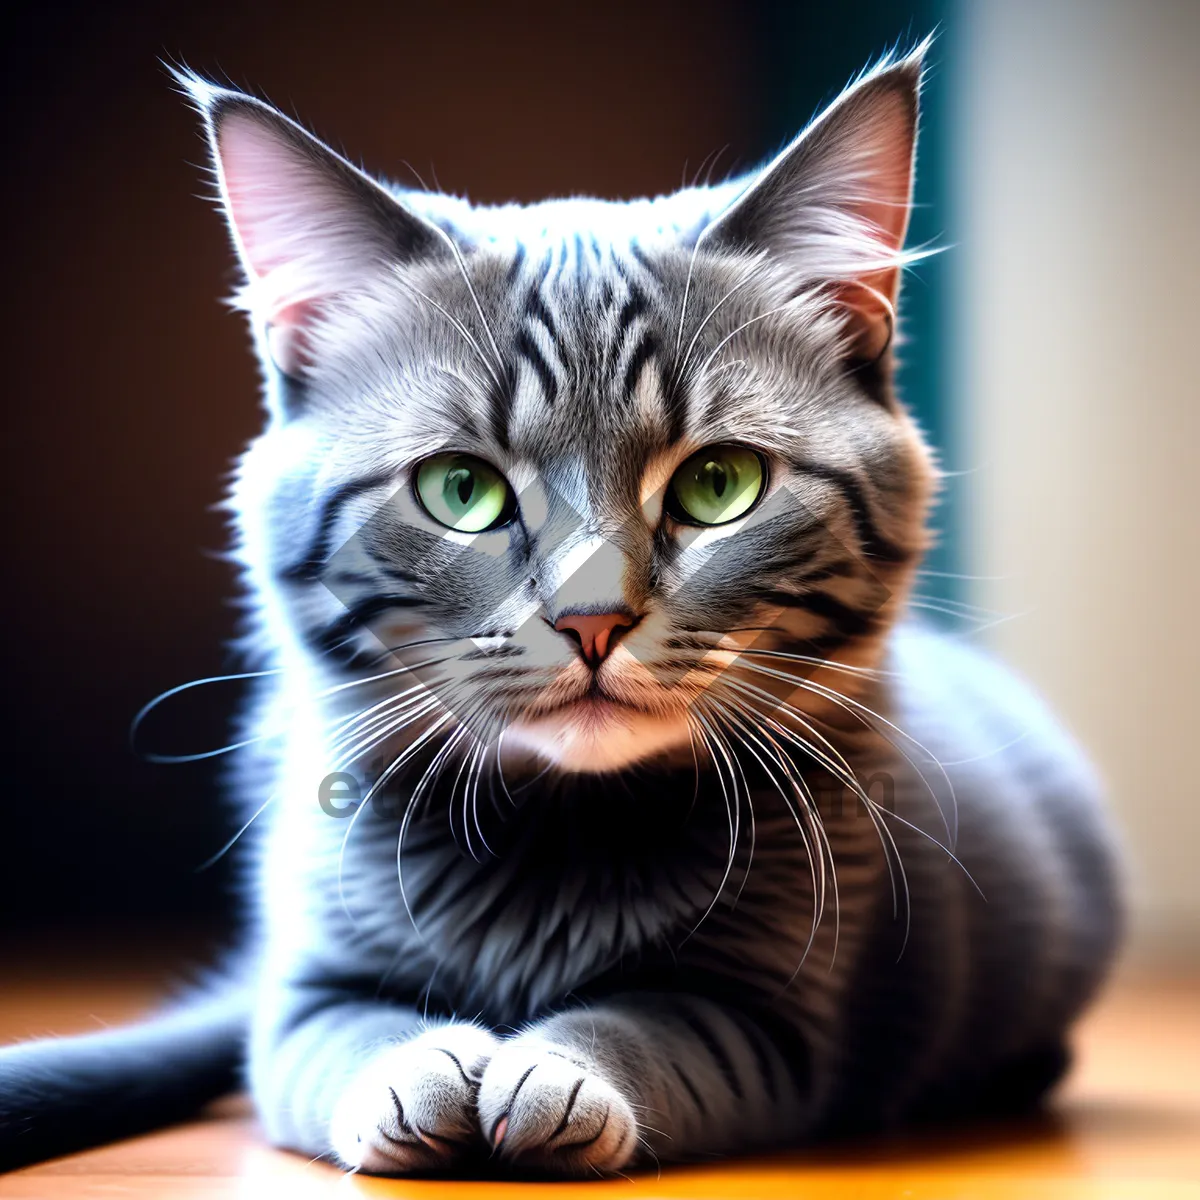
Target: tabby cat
<point>606,805</point>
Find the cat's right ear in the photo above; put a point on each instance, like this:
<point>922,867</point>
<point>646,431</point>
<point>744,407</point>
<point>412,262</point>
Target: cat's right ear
<point>309,226</point>
<point>833,207</point>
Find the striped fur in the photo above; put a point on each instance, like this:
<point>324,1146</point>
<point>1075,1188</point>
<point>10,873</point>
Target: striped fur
<point>746,904</point>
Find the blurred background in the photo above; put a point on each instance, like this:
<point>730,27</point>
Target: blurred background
<point>1046,353</point>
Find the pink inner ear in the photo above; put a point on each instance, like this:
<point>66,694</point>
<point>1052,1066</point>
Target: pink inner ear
<point>264,186</point>
<point>288,342</point>
<point>888,169</point>
<point>871,313</point>
<point>885,154</point>
<point>302,234</point>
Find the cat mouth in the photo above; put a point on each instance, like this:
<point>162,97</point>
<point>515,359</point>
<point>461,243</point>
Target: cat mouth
<point>597,732</point>
<point>598,709</point>
<point>594,706</point>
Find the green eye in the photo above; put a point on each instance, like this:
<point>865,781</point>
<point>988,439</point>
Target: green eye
<point>716,485</point>
<point>464,492</point>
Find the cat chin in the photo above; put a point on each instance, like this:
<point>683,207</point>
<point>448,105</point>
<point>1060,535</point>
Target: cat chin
<point>599,739</point>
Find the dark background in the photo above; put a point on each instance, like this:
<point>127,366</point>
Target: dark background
<point>130,388</point>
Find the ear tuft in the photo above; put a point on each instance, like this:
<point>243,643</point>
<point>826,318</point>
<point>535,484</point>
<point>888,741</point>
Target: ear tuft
<point>309,227</point>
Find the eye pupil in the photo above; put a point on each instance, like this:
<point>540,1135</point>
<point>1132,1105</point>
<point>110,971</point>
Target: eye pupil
<point>462,483</point>
<point>717,479</point>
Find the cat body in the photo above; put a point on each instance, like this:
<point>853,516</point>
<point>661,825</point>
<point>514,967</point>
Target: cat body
<point>605,805</point>
<point>947,994</point>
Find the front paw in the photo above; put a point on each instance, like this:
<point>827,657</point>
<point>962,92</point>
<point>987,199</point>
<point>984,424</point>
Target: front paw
<point>412,1108</point>
<point>545,1109</point>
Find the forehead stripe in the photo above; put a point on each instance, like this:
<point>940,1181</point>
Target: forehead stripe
<point>676,395</point>
<point>535,307</point>
<point>633,308</point>
<point>500,407</point>
<point>646,348</point>
<point>514,268</point>
<point>527,349</point>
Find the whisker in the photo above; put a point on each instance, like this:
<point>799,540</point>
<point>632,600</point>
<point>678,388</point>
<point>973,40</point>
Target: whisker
<point>229,845</point>
<point>839,769</point>
<point>811,818</point>
<point>827,664</point>
<point>771,312</point>
<point>385,726</point>
<point>475,796</point>
<point>696,765</point>
<point>432,772</point>
<point>681,366</point>
<point>460,327</point>
<point>864,714</point>
<point>500,767</point>
<point>428,779</point>
<point>390,652</point>
<point>380,783</point>
<point>928,574</point>
<point>462,766</point>
<point>341,730</point>
<point>832,760</point>
<point>151,705</point>
<point>687,295</point>
<point>200,756</point>
<point>945,609</point>
<point>646,1146</point>
<point>962,762</point>
<point>753,831</point>
<point>877,810</point>
<point>949,602</point>
<point>175,759</point>
<point>887,812</point>
<point>989,625</point>
<point>732,812</point>
<point>462,267</point>
<point>818,888</point>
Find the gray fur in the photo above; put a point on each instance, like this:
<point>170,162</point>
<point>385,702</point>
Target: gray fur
<point>602,962</point>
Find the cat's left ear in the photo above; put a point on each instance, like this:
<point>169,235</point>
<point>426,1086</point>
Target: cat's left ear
<point>309,227</point>
<point>834,205</point>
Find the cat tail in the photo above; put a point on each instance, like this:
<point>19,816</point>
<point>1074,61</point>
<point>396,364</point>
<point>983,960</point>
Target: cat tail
<point>59,1095</point>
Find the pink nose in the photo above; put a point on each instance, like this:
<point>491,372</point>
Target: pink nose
<point>596,633</point>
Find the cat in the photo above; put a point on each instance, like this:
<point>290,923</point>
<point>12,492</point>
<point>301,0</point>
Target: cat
<point>607,804</point>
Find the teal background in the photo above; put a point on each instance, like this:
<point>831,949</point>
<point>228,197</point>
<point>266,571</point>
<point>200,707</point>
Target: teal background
<point>807,54</point>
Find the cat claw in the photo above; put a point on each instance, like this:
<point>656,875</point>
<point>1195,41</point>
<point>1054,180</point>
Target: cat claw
<point>412,1108</point>
<point>547,1113</point>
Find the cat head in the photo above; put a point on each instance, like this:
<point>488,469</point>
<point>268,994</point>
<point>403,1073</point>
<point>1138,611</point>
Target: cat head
<point>599,477</point>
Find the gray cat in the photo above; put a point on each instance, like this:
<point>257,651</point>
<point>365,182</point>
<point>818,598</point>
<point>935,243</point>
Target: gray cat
<point>606,807</point>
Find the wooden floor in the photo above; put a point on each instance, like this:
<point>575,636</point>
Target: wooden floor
<point>1125,1127</point>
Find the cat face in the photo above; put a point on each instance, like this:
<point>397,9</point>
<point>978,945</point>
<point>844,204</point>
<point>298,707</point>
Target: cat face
<point>588,478</point>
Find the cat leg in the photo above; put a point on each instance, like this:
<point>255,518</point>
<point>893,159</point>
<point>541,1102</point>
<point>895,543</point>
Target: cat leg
<point>639,1078</point>
<point>372,1085</point>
